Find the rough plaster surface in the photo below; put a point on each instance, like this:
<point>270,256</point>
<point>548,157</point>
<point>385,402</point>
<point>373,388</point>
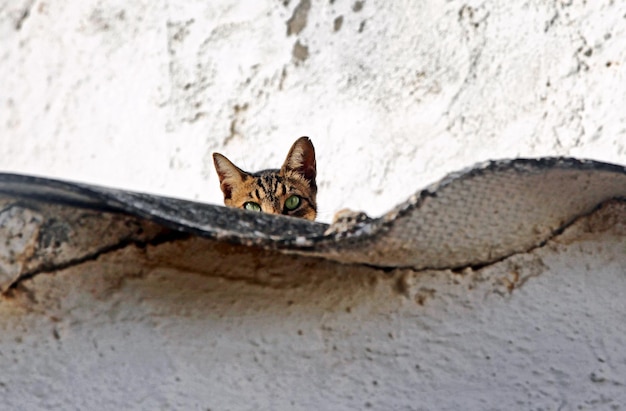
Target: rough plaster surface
<point>187,323</point>
<point>394,94</point>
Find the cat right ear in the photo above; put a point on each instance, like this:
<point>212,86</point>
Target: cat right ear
<point>301,159</point>
<point>229,174</point>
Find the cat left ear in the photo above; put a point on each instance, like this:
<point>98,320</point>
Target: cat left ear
<point>301,159</point>
<point>229,174</point>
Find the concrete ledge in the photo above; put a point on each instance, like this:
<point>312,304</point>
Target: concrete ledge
<point>187,322</point>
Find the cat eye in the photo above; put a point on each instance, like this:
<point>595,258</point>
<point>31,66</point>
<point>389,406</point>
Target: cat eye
<point>252,206</point>
<point>292,202</point>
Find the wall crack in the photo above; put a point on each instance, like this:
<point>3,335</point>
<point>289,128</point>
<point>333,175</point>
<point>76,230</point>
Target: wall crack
<point>48,268</point>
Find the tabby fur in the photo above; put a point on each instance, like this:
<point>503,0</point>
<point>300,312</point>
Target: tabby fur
<point>272,190</point>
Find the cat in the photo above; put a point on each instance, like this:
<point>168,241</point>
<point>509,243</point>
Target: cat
<point>289,191</point>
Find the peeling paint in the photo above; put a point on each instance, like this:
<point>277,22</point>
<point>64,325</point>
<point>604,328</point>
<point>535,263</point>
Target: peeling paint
<point>19,234</point>
<point>300,52</point>
<point>298,20</point>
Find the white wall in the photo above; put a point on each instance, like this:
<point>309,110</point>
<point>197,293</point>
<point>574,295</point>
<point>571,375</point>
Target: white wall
<point>138,95</point>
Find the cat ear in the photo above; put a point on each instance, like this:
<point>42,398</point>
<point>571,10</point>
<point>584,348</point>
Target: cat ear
<point>229,174</point>
<point>301,159</point>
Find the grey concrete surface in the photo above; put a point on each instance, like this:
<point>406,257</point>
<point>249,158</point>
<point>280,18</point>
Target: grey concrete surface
<point>171,322</point>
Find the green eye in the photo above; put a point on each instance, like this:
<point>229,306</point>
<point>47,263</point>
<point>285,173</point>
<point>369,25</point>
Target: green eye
<point>292,202</point>
<point>251,206</point>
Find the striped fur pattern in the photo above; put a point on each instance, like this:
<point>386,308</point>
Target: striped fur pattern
<point>291,190</point>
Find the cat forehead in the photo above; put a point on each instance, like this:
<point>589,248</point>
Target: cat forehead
<point>274,172</point>
<point>271,181</point>
<point>272,178</point>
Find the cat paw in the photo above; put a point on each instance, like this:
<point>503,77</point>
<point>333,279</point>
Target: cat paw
<point>346,220</point>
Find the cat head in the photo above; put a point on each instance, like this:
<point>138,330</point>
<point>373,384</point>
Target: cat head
<point>289,191</point>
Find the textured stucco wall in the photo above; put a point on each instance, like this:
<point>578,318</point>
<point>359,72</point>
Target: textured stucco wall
<point>394,94</point>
